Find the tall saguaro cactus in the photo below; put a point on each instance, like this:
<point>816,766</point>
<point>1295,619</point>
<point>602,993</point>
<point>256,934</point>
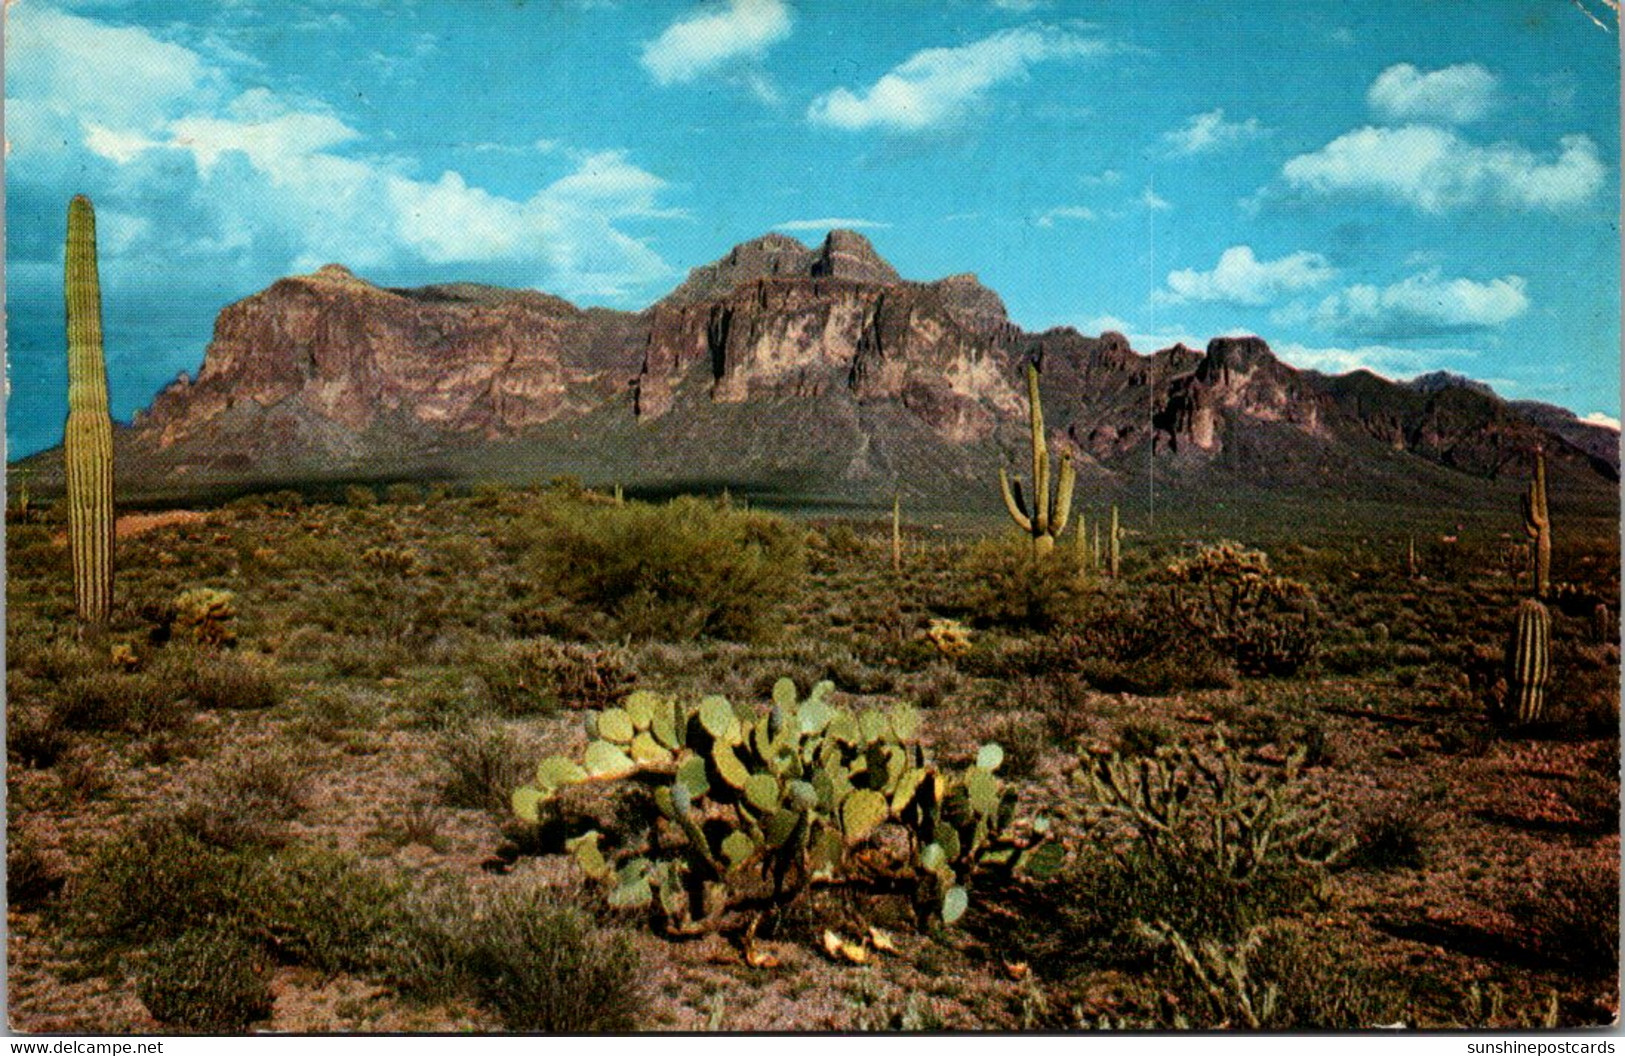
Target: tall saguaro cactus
<point>1048,518</point>
<point>1117,545</point>
<point>1537,524</point>
<point>88,443</point>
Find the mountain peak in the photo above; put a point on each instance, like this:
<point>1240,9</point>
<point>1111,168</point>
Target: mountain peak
<point>848,255</point>
<point>1439,380</point>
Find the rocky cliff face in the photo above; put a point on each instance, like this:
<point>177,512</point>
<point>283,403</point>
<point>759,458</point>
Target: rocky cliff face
<point>328,369</point>
<point>463,359</point>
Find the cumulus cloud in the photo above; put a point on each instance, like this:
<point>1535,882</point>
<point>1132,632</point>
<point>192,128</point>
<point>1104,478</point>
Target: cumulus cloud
<point>1435,170</point>
<point>714,38</point>
<point>1423,305</point>
<point>939,86</point>
<point>1383,360</point>
<point>1241,278</point>
<point>1455,94</point>
<point>829,223</point>
<point>1065,212</point>
<point>57,64</point>
<point>1203,133</point>
<point>195,174</point>
<point>1607,421</point>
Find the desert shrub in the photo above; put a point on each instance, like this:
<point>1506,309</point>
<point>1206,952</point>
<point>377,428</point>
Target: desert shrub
<point>140,703</point>
<point>1134,645</point>
<point>486,763</point>
<point>359,496</point>
<point>534,676</point>
<point>34,736</point>
<point>1007,586</point>
<point>370,657</point>
<point>1201,842</point>
<point>32,876</point>
<point>688,569</point>
<point>1267,624</point>
<point>1023,741</point>
<point>1569,915</point>
<point>320,908</point>
<point>538,964</point>
<point>1395,838</point>
<point>151,884</point>
<point>206,982</point>
<point>222,680</point>
<point>403,494</point>
<point>247,800</point>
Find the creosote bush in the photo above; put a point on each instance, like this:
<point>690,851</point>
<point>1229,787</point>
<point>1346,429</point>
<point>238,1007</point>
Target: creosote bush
<point>539,964</point>
<point>206,982</point>
<point>687,569</point>
<point>1008,586</point>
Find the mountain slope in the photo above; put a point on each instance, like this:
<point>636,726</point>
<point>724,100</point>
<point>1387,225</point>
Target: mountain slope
<point>817,372</point>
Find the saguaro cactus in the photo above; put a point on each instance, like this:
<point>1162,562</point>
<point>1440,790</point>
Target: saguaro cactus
<point>1048,518</point>
<point>1537,524</point>
<point>1117,545</point>
<point>1529,660</point>
<point>896,532</point>
<point>88,443</point>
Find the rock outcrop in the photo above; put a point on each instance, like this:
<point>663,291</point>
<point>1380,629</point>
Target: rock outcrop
<point>330,370</point>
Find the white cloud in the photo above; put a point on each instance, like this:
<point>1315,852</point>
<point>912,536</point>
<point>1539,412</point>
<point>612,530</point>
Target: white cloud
<point>1435,170</point>
<point>61,68</point>
<point>1599,418</point>
<point>1423,305</point>
<point>1383,360</point>
<point>1241,278</point>
<point>1065,212</point>
<point>1202,133</point>
<point>1149,199</point>
<point>1019,7</point>
<point>938,86</point>
<point>199,176</point>
<point>829,223</point>
<point>1455,94</point>
<point>706,41</point>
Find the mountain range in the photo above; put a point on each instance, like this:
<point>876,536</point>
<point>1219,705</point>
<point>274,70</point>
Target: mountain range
<point>817,374</point>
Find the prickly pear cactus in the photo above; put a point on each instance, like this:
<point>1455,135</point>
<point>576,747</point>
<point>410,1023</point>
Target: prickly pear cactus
<point>755,807</point>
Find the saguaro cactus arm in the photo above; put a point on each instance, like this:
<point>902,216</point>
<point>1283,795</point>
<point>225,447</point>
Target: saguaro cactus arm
<point>88,438</point>
<point>1013,501</point>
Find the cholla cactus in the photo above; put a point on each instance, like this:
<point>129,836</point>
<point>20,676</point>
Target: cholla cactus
<point>951,637</point>
<point>1047,518</point>
<point>208,614</point>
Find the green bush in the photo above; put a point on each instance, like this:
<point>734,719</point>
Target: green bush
<point>206,982</point>
<point>1006,586</point>
<point>321,908</point>
<point>487,763</point>
<point>153,883</point>
<point>685,570</point>
<point>538,964</point>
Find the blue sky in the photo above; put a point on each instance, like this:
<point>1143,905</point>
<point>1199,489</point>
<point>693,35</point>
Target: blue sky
<point>1398,185</point>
